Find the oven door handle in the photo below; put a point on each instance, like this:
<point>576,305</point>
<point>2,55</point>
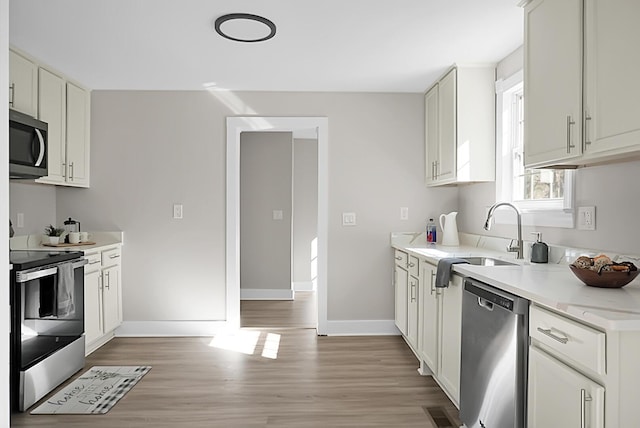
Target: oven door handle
<point>30,275</point>
<point>37,273</point>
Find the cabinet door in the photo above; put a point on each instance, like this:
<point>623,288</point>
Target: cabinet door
<point>558,396</point>
<point>412,311</point>
<point>431,134</point>
<point>552,81</point>
<point>23,85</point>
<point>77,135</point>
<point>450,334</point>
<point>612,90</point>
<point>92,306</point>
<point>447,120</point>
<point>51,106</point>
<point>111,298</point>
<point>401,285</point>
<point>430,313</point>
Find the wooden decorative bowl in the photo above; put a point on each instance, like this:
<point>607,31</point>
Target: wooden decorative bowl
<point>604,279</point>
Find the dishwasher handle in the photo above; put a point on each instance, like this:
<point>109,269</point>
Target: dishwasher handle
<point>489,297</point>
<point>484,303</point>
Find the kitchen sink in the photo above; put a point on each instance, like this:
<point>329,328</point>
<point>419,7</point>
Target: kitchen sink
<point>488,261</point>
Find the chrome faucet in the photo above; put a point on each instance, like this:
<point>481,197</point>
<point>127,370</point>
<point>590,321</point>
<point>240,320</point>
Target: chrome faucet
<point>518,248</point>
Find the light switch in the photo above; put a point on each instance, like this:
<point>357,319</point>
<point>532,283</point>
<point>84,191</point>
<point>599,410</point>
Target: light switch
<point>277,214</point>
<point>404,213</point>
<point>177,211</point>
<point>348,219</point>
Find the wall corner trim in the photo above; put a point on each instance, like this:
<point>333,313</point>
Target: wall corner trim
<point>362,328</point>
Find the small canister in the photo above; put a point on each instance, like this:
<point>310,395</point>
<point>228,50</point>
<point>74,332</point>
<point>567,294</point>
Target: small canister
<point>539,250</point>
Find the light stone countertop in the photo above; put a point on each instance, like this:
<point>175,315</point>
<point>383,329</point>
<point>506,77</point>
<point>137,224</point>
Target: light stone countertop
<point>34,242</point>
<point>550,285</point>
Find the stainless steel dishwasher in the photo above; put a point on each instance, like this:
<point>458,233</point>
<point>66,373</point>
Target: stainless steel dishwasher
<point>493,371</point>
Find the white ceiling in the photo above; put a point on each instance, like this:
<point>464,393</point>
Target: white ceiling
<point>321,45</point>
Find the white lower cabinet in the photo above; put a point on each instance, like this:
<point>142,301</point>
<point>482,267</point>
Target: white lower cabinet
<point>450,337</point>
<point>400,283</point>
<point>560,396</point>
<point>440,322</point>
<point>102,297</point>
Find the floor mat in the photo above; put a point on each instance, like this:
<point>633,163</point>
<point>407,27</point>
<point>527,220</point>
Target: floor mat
<point>95,392</point>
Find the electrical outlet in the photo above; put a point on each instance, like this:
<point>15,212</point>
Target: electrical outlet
<point>20,220</point>
<point>278,215</point>
<point>586,218</point>
<point>348,219</point>
<point>177,211</point>
<point>404,213</point>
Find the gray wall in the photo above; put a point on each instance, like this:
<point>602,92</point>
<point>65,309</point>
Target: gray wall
<point>37,202</point>
<point>266,175</point>
<point>151,149</point>
<point>305,208</point>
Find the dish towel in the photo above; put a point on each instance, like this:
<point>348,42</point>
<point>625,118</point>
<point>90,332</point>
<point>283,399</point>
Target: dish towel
<point>443,274</point>
<point>66,305</point>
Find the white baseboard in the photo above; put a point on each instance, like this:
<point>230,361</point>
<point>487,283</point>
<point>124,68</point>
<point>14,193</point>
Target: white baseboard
<point>303,286</point>
<point>169,328</point>
<point>362,328</point>
<point>265,294</point>
<point>210,328</point>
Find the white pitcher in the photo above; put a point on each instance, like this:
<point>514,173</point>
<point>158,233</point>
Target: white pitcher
<point>449,228</point>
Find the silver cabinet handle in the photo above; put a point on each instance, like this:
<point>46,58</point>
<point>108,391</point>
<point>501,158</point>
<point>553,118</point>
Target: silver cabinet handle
<point>433,282</point>
<point>584,398</point>
<point>587,119</point>
<point>71,169</point>
<point>547,332</point>
<point>410,264</point>
<point>398,258</point>
<point>108,280</point>
<point>42,148</point>
<point>570,123</point>
<point>433,170</point>
<point>437,165</point>
<point>413,291</point>
<point>94,262</point>
<point>12,92</point>
<point>114,256</point>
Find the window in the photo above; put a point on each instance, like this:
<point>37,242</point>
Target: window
<point>544,196</point>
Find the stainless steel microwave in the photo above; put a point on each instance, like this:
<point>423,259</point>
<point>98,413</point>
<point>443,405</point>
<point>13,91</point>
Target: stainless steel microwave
<point>28,147</point>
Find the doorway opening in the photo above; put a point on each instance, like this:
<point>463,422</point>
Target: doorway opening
<point>235,127</point>
<point>278,229</point>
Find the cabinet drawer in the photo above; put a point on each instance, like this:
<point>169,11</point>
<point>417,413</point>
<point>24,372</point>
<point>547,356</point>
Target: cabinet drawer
<point>414,266</point>
<point>565,337</point>
<point>94,262</point>
<point>111,257</point>
<point>401,258</point>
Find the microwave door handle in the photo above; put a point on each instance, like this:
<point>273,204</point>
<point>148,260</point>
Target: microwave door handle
<point>42,147</point>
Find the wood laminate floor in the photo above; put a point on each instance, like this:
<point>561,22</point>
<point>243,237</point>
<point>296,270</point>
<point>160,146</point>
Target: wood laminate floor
<point>264,377</point>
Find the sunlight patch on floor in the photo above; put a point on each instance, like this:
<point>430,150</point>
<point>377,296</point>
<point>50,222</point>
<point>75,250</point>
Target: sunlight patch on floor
<point>246,342</point>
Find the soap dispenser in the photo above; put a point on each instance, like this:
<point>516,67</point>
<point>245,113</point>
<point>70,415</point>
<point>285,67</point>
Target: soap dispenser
<point>539,250</point>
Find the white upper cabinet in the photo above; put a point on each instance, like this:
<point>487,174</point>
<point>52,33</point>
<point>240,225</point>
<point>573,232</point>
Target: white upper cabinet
<point>47,95</point>
<point>460,127</point>
<point>612,89</point>
<point>552,81</point>
<point>51,109</point>
<point>77,149</point>
<point>23,84</point>
<point>582,99</point>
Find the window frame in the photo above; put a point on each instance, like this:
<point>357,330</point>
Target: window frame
<point>551,213</point>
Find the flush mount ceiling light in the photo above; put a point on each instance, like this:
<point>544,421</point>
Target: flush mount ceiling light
<point>245,27</point>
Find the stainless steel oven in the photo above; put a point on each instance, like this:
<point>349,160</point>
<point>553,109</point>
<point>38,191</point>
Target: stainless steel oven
<point>47,322</point>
